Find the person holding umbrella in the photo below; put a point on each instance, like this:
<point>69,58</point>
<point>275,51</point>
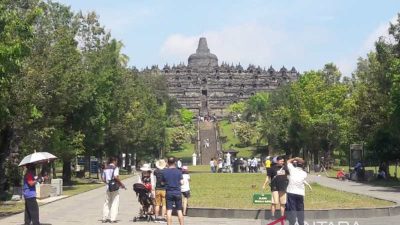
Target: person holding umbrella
<point>29,191</point>
<point>30,181</point>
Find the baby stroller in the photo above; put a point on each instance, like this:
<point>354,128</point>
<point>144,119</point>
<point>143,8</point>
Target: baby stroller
<point>144,197</point>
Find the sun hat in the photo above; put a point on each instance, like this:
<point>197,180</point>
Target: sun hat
<point>161,164</point>
<point>268,157</point>
<point>146,167</point>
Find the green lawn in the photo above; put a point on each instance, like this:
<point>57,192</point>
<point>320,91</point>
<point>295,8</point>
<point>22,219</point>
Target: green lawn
<point>236,190</point>
<point>185,153</point>
<point>226,129</point>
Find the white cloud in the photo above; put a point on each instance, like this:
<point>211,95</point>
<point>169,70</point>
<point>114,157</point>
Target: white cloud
<point>246,43</point>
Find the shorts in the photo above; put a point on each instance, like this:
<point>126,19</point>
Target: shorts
<point>279,197</point>
<point>160,198</point>
<point>186,194</point>
<point>174,200</point>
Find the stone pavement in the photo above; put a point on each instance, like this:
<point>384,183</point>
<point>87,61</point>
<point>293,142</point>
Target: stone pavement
<point>386,193</point>
<point>86,209</point>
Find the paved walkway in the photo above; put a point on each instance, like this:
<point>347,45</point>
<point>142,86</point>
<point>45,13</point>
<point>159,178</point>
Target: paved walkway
<point>386,193</point>
<point>86,209</point>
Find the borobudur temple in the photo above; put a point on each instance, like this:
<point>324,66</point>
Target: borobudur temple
<point>205,87</point>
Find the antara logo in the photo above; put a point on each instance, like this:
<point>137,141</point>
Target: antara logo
<point>281,221</point>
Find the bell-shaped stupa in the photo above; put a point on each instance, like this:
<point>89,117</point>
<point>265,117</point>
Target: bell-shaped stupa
<point>203,59</point>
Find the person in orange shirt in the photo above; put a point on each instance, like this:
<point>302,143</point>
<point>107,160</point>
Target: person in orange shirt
<point>341,175</point>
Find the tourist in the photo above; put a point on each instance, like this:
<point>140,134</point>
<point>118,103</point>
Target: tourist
<point>278,180</point>
<point>216,164</point>
<point>160,192</point>
<point>148,180</point>
<point>179,164</point>
<point>212,165</point>
<point>111,177</point>
<point>236,165</point>
<point>268,163</point>
<point>340,175</point>
<point>359,170</point>
<point>254,165</point>
<point>185,188</point>
<point>29,191</point>
<point>241,165</point>
<point>220,165</point>
<point>173,180</point>
<point>296,191</point>
<point>382,171</point>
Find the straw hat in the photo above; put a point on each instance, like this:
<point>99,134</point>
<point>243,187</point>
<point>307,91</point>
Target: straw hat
<point>161,164</point>
<point>146,167</point>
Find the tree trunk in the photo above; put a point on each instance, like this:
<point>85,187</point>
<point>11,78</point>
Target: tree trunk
<point>5,151</point>
<point>67,172</point>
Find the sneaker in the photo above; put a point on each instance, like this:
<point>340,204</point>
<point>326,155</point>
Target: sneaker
<point>156,220</point>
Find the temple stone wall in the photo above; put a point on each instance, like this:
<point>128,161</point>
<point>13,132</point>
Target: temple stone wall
<point>203,86</point>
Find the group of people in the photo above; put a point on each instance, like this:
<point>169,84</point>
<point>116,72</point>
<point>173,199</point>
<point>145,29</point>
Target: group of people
<point>251,165</point>
<point>169,187</point>
<point>287,182</point>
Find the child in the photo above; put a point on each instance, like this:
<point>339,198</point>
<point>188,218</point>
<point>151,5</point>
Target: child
<point>341,175</point>
<point>185,188</point>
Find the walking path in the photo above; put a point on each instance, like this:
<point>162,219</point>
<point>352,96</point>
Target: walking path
<point>86,208</point>
<point>207,132</point>
<point>385,193</point>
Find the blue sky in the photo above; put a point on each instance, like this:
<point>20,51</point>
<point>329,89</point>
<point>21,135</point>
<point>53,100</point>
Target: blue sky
<point>305,34</point>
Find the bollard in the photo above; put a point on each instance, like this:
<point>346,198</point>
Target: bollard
<point>194,159</point>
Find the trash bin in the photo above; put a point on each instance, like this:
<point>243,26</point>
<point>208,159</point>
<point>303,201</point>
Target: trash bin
<point>58,184</point>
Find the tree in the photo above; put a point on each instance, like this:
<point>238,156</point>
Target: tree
<point>244,132</point>
<point>16,23</point>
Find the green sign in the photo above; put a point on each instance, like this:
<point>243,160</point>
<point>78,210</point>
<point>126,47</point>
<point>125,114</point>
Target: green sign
<point>262,198</point>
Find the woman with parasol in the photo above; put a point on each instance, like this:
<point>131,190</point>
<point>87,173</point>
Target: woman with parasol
<point>30,181</point>
<point>29,191</point>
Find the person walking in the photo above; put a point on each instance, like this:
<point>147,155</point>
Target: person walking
<point>277,177</point>
<point>179,164</point>
<point>110,176</point>
<point>212,165</point>
<point>173,179</point>
<point>160,192</point>
<point>220,165</point>
<point>29,190</point>
<point>185,188</point>
<point>296,191</point>
<point>268,163</point>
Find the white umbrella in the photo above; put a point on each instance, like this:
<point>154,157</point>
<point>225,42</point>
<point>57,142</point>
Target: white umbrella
<point>37,157</point>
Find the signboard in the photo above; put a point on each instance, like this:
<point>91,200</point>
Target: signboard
<point>262,199</point>
<point>80,160</point>
<point>94,165</point>
<point>356,154</point>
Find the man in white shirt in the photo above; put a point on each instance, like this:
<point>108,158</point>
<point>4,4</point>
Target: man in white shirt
<point>111,204</point>
<point>296,191</point>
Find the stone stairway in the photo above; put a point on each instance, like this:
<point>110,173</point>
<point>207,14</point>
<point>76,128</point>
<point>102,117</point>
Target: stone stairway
<point>207,130</point>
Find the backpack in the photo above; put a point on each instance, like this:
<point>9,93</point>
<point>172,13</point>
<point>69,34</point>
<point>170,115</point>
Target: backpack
<point>112,184</point>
